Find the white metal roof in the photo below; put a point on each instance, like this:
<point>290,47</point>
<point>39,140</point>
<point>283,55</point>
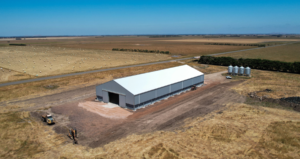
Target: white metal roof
<point>141,83</point>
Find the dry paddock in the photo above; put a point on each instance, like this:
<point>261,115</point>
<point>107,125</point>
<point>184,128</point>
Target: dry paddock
<point>97,130</point>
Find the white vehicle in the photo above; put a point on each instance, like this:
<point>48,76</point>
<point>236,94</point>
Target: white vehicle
<point>228,77</point>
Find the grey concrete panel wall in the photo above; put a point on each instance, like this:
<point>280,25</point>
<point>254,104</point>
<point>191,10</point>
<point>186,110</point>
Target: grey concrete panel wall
<point>105,97</point>
<point>115,88</point>
<point>176,86</point>
<point>162,91</point>
<point>147,96</point>
<point>187,83</point>
<point>122,101</point>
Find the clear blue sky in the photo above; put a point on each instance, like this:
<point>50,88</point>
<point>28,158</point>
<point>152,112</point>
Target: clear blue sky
<point>113,17</point>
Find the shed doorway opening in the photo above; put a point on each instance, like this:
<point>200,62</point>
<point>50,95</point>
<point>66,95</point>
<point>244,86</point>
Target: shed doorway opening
<point>113,98</point>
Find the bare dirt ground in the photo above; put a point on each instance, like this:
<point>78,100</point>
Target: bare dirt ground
<point>107,110</point>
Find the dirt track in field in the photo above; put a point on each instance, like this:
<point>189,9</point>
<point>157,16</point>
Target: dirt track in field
<point>167,115</point>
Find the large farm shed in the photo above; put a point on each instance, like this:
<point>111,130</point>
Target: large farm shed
<point>141,90</point>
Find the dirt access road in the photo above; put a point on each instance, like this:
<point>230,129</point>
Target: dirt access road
<point>168,115</point>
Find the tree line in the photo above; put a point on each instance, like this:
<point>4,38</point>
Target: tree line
<point>140,50</point>
<point>230,44</point>
<point>18,44</point>
<point>292,67</point>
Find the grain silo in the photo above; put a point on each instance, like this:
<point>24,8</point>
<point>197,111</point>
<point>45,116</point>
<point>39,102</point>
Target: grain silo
<point>248,71</point>
<point>230,69</point>
<point>138,91</point>
<point>241,70</point>
<point>235,70</point>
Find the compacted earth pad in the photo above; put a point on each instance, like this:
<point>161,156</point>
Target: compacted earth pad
<point>107,110</point>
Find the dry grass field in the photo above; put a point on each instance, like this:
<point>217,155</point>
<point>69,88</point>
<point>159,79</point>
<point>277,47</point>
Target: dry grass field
<point>11,75</point>
<point>287,53</point>
<point>107,43</point>
<point>37,88</point>
<point>234,40</point>
<point>53,56</point>
<point>46,61</point>
<point>43,38</point>
<point>281,84</point>
<point>237,131</point>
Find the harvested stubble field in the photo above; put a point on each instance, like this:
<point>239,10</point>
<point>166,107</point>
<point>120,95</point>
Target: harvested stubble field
<point>28,90</point>
<point>46,61</point>
<point>144,43</point>
<point>281,84</point>
<point>234,40</point>
<point>287,53</point>
<point>236,131</point>
<point>11,75</point>
<point>74,82</point>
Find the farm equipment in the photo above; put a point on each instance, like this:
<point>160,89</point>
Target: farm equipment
<point>73,135</point>
<point>193,88</point>
<point>48,118</point>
